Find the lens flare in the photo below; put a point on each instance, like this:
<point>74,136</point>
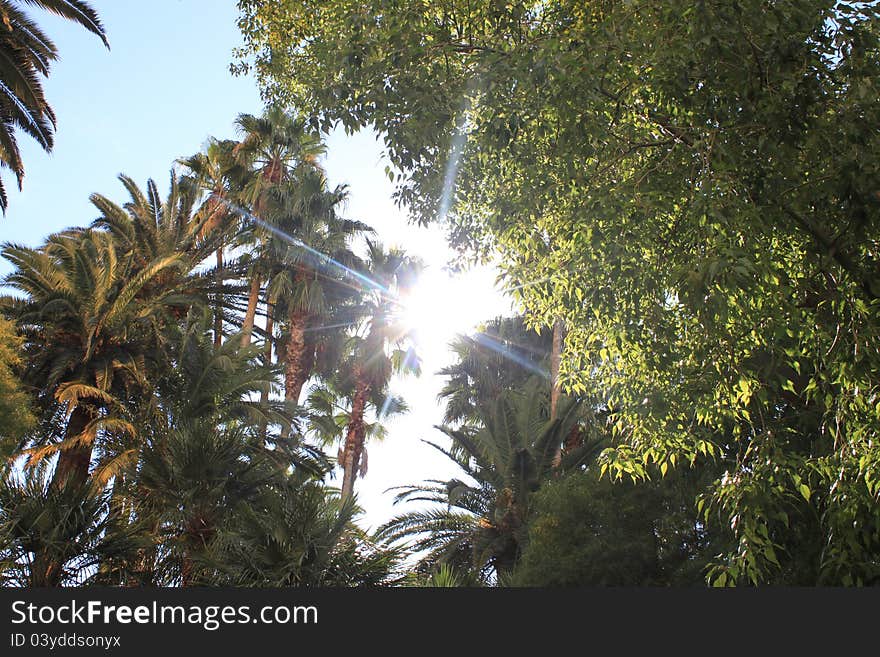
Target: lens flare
<point>441,306</point>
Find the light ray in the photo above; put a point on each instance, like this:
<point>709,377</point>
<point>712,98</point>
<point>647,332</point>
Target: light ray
<point>455,150</point>
<point>456,147</point>
<point>327,327</point>
<point>321,257</point>
<point>505,351</point>
<point>385,405</point>
<point>521,286</point>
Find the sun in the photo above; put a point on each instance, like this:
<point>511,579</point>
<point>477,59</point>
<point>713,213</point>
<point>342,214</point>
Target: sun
<point>442,305</point>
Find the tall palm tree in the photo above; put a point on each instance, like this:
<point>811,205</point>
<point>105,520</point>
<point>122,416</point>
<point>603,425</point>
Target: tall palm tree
<point>81,339</point>
<point>278,148</point>
<point>381,330</point>
<point>504,354</point>
<point>313,284</point>
<point>94,303</point>
<point>330,405</point>
<point>26,53</point>
<point>148,226</point>
<point>218,172</point>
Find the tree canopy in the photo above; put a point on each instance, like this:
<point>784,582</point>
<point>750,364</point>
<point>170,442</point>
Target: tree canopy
<point>692,188</point>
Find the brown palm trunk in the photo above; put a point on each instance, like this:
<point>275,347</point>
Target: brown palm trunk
<point>300,357</point>
<point>354,439</point>
<point>45,571</point>
<point>72,469</point>
<point>73,462</point>
<point>187,569</point>
<point>247,326</point>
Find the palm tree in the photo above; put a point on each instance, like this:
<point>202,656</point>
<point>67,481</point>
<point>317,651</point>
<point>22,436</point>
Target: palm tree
<point>204,453</point>
<point>502,355</point>
<point>95,301</point>
<point>81,339</point>
<point>217,171</point>
<point>300,534</point>
<point>479,523</point>
<point>27,52</point>
<point>330,405</point>
<point>388,272</point>
<point>314,283</point>
<point>147,226</point>
<point>279,148</point>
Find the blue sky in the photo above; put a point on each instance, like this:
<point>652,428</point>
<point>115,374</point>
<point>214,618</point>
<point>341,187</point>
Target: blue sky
<point>158,94</point>
<point>160,91</point>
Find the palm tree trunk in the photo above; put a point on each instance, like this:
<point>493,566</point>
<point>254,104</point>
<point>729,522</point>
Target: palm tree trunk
<point>72,469</point>
<point>187,569</point>
<point>73,462</point>
<point>45,571</point>
<point>300,357</point>
<point>354,439</point>
<point>247,326</point>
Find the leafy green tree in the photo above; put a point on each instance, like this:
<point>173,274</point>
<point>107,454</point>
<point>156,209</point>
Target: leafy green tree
<point>589,531</point>
<point>93,307</point>
<point>27,53</point>
<point>700,209</point>
<point>16,406</point>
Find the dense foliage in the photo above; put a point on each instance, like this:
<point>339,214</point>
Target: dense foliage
<point>135,343</point>
<point>691,188</point>
<point>683,198</point>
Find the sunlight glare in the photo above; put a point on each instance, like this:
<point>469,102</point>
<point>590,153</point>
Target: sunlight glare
<point>442,305</point>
